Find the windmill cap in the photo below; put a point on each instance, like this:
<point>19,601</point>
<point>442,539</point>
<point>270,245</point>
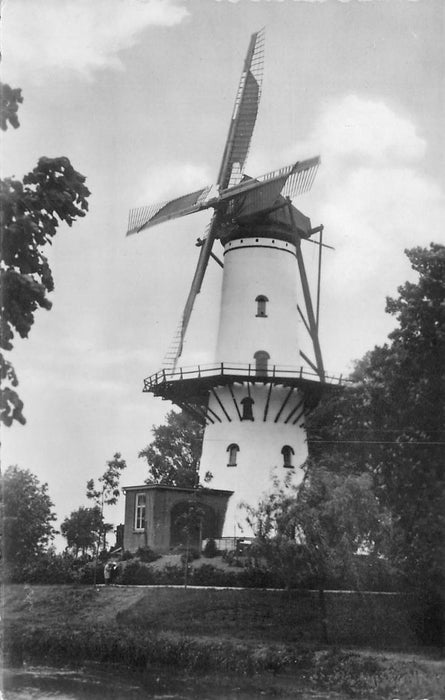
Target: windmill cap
<point>274,225</point>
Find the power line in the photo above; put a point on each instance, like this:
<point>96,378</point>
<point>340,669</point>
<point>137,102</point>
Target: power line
<point>378,442</point>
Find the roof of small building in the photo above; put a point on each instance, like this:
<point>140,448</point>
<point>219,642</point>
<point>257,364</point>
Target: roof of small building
<point>162,487</point>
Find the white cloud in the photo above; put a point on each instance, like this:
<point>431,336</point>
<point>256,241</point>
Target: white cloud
<point>358,129</point>
<point>375,199</point>
<point>78,35</point>
<point>373,195</point>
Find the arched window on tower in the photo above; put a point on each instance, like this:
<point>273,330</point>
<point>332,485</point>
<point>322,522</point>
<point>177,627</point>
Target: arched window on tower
<point>233,450</point>
<point>287,453</point>
<point>247,404</point>
<point>261,360</point>
<point>261,302</point>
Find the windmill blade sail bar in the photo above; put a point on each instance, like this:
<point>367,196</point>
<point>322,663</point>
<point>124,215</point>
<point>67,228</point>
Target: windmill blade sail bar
<point>244,114</point>
<point>203,261</point>
<point>146,217</point>
<point>257,195</point>
<point>301,178</point>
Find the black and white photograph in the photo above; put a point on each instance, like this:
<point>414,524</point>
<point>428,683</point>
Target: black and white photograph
<point>222,401</point>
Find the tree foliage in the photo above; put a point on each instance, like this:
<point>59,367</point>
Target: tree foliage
<point>10,98</point>
<point>107,491</point>
<point>173,456</point>
<point>391,422</point>
<point>81,529</point>
<point>332,514</point>
<point>27,516</point>
<point>315,530</point>
<point>31,211</point>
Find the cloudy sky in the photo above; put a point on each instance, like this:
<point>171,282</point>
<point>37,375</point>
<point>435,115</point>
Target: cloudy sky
<point>138,94</point>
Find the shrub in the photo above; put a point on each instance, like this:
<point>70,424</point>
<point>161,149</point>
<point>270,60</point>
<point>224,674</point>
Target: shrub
<point>48,568</point>
<point>147,555</point>
<point>210,549</point>
<point>193,552</point>
<point>135,573</point>
<point>91,573</point>
<point>126,555</point>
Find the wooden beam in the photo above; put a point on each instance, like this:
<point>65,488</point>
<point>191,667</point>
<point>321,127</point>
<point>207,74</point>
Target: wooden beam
<point>266,407</point>
<point>220,403</point>
<point>298,417</point>
<point>234,401</point>
<point>288,395</point>
<point>212,255</point>
<point>305,357</point>
<point>307,298</point>
<point>213,413</point>
<point>195,411</point>
<point>299,405</point>
<point>320,250</point>
<point>304,320</point>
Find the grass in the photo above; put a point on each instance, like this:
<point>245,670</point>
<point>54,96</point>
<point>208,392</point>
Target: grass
<point>237,632</point>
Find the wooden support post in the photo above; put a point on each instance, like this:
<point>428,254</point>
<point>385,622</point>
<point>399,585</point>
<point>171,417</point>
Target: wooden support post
<point>304,320</point>
<point>299,405</point>
<point>307,298</point>
<point>288,395</point>
<point>215,414</point>
<point>220,403</point>
<point>298,417</point>
<point>266,407</point>
<point>234,401</point>
<point>320,250</point>
<point>310,363</point>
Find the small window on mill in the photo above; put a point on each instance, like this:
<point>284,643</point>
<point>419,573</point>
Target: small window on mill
<point>233,450</point>
<point>261,302</point>
<point>287,453</point>
<point>247,404</point>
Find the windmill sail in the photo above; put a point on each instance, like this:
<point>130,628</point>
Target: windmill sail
<point>244,114</point>
<point>232,165</point>
<point>261,194</point>
<point>145,217</point>
<point>203,261</point>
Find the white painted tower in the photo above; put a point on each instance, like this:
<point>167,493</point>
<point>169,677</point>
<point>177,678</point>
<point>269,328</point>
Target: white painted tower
<point>260,432</point>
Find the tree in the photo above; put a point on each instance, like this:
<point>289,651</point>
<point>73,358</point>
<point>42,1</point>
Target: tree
<point>316,529</point>
<point>190,524</point>
<point>392,423</point>
<point>30,214</point>
<point>27,516</point>
<point>173,456</point>
<point>10,98</point>
<point>107,492</point>
<point>81,529</point>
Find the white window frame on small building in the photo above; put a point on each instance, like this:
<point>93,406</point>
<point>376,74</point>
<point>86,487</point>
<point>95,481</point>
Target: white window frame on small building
<point>139,511</point>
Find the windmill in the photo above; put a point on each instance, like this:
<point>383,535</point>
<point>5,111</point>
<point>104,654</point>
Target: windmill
<point>255,396</point>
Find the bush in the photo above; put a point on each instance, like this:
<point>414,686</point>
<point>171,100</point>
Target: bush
<point>147,555</point>
<point>210,549</point>
<point>135,573</point>
<point>126,555</point>
<point>193,552</point>
<point>92,573</point>
<point>48,568</point>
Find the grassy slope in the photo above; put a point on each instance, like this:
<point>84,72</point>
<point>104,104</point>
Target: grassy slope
<point>242,630</point>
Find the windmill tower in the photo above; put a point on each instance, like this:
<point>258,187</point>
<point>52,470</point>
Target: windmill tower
<point>255,395</point>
